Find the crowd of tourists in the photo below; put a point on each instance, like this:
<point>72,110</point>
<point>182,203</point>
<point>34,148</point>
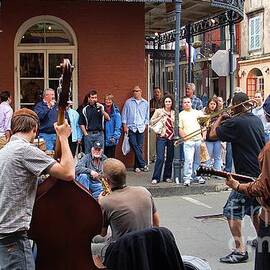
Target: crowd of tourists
<point>130,212</point>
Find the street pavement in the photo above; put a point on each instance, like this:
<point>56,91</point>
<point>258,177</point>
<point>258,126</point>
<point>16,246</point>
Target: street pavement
<point>207,238</point>
<point>172,189</point>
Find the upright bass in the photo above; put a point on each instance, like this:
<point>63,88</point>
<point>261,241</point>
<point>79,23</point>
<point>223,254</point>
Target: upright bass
<point>65,215</point>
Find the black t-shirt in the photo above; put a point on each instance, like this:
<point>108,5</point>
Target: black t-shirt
<point>92,118</point>
<point>246,133</point>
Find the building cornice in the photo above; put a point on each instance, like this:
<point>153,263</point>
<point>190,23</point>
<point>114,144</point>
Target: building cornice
<point>261,59</point>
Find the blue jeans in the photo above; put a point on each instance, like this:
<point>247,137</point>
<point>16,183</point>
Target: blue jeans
<point>136,143</point>
<point>229,158</point>
<point>266,137</point>
<point>182,155</point>
<point>214,151</point>
<point>192,158</point>
<point>161,144</point>
<point>94,186</point>
<point>91,138</point>
<point>49,139</point>
<point>16,253</point>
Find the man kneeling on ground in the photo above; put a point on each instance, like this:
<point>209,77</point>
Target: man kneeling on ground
<point>126,209</point>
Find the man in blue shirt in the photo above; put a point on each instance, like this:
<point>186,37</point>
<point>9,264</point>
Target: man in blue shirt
<point>196,103</point>
<point>135,117</point>
<point>47,114</point>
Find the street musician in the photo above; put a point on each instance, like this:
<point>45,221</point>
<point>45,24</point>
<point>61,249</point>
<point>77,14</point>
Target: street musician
<point>90,169</point>
<point>126,209</point>
<point>20,165</point>
<point>246,133</point>
<point>260,189</point>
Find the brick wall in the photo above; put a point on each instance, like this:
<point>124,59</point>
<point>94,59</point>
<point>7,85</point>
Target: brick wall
<point>110,43</point>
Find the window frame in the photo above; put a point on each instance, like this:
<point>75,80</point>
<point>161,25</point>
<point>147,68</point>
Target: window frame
<point>45,48</point>
<point>255,19</point>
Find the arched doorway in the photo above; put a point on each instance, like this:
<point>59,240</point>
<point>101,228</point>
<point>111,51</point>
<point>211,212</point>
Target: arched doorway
<point>255,82</point>
<point>40,45</point>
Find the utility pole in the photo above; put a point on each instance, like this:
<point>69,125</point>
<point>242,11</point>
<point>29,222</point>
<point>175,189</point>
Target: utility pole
<point>176,161</point>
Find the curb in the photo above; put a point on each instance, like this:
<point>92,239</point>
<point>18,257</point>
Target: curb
<point>180,190</point>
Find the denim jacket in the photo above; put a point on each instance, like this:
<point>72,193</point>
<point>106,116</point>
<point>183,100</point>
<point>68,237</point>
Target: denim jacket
<point>86,165</point>
<point>73,116</point>
<point>113,127</point>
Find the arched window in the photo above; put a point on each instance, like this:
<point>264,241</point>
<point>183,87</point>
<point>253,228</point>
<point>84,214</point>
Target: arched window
<point>255,82</point>
<point>46,33</point>
<point>41,43</point>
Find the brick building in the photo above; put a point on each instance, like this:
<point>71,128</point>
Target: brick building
<point>105,42</point>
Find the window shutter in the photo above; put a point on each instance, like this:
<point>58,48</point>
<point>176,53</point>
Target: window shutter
<point>254,33</point>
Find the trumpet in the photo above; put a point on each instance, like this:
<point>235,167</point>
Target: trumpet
<point>207,120</point>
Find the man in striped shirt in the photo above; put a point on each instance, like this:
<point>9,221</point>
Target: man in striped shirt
<point>5,117</point>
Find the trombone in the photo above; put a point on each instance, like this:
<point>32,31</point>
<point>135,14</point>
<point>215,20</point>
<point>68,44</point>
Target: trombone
<point>207,120</point>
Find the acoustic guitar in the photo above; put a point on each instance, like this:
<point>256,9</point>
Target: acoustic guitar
<point>206,171</point>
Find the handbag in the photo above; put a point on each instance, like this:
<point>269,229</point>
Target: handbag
<point>125,145</point>
<point>157,127</point>
<point>204,155</point>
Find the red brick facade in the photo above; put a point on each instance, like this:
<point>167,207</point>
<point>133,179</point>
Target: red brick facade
<point>110,43</point>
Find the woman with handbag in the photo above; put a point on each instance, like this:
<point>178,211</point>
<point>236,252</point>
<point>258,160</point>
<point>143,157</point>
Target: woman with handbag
<point>162,123</point>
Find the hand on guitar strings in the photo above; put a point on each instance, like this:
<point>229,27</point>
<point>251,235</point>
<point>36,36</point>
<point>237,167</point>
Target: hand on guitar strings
<point>232,183</point>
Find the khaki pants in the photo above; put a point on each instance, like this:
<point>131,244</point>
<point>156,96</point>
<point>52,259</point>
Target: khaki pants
<point>3,141</point>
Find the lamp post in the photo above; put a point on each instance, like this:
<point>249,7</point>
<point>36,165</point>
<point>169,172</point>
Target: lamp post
<point>176,161</point>
<point>231,53</point>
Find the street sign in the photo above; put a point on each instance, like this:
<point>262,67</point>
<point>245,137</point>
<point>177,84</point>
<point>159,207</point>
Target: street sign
<point>220,63</point>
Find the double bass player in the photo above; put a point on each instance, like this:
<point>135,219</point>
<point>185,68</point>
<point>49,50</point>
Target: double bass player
<point>20,165</point>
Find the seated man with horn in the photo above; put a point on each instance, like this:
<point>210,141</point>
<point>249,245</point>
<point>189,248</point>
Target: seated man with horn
<point>126,209</point>
<point>90,168</point>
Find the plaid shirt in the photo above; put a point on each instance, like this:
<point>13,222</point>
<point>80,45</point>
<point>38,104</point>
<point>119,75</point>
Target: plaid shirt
<point>196,103</point>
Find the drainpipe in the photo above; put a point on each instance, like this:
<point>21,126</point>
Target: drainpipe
<point>189,53</point>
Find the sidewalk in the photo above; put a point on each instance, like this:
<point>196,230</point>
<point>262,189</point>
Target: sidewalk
<point>172,189</point>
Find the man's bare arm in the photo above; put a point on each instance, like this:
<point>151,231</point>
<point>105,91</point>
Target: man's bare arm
<point>65,169</point>
<point>156,219</point>
<point>104,231</point>
<point>182,133</point>
<point>84,131</point>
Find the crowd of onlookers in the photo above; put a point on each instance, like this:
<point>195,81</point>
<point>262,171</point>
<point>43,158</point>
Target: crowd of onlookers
<point>98,126</point>
<point>197,146</point>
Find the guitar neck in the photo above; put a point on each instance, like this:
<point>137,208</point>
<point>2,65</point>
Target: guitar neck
<point>238,177</point>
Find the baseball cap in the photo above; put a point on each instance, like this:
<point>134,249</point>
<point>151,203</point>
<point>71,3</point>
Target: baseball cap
<point>97,145</point>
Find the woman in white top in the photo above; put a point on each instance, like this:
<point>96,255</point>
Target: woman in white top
<point>166,116</point>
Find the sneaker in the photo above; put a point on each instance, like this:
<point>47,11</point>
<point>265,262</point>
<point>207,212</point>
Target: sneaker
<point>144,169</point>
<point>168,180</point>
<point>201,181</point>
<point>154,182</point>
<point>235,257</point>
<point>187,183</point>
<point>137,170</point>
